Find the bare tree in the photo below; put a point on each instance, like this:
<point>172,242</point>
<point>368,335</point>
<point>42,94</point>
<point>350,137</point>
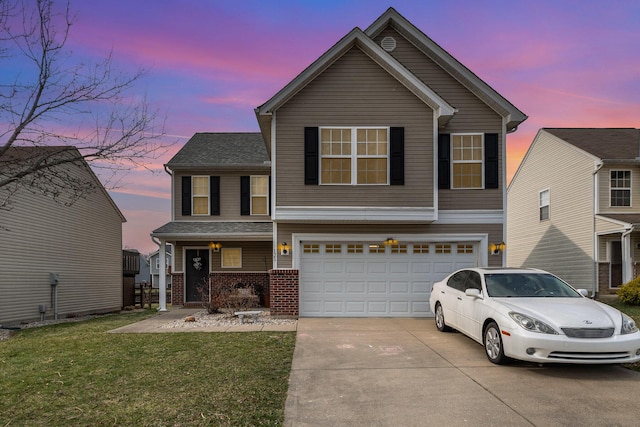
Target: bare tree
<point>52,91</point>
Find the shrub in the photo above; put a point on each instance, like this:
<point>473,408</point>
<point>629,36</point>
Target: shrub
<point>629,293</point>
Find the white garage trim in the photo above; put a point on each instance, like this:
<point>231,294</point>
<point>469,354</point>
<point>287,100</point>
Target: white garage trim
<point>482,239</point>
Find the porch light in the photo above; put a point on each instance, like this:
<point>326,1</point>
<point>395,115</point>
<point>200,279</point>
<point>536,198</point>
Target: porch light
<point>390,241</point>
<point>215,246</point>
<point>284,248</point>
<point>496,248</point>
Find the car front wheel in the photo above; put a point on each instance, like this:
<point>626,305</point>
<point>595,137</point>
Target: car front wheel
<point>493,344</point>
<point>440,324</point>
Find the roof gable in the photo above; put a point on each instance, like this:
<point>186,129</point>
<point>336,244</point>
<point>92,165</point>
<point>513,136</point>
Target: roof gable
<point>222,150</point>
<point>391,18</point>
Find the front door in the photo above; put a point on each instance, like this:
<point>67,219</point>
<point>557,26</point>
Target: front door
<point>197,273</point>
<point>616,264</point>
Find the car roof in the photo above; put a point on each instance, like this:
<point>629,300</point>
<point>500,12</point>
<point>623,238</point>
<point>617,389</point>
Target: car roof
<point>507,270</point>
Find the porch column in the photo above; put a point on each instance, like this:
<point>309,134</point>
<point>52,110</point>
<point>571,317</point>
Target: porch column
<point>627,261</point>
<point>162,276</point>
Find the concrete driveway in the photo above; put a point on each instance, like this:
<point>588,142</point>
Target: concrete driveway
<point>403,372</point>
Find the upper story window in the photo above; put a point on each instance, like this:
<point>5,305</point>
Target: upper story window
<point>620,188</point>
<point>354,156</point>
<point>200,195</point>
<point>467,160</point>
<point>544,204</point>
<point>260,195</point>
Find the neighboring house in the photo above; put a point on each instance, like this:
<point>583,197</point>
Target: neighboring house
<point>378,170</point>
<point>145,269</point>
<point>154,266</point>
<point>574,207</point>
<point>66,258</point>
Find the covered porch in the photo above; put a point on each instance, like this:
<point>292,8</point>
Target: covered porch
<point>617,250</point>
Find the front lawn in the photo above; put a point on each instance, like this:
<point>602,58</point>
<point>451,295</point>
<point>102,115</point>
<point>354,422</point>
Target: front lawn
<point>77,374</point>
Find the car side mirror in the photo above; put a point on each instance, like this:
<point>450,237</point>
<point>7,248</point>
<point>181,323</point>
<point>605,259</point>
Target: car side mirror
<point>473,292</point>
<point>583,292</point>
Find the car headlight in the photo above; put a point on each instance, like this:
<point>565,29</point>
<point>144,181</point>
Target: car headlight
<point>628,325</point>
<point>531,324</point>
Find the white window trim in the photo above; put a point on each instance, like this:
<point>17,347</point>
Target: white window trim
<point>481,161</point>
<point>622,188</point>
<point>266,194</point>
<point>548,205</point>
<point>222,258</point>
<point>354,154</point>
<point>193,195</point>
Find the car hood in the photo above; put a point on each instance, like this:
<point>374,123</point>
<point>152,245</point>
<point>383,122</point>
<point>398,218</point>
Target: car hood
<point>566,312</point>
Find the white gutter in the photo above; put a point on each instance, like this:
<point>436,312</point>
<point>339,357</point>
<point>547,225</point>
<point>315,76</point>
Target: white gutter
<point>595,194</point>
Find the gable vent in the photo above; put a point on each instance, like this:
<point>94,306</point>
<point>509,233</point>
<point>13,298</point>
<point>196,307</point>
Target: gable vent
<point>388,43</point>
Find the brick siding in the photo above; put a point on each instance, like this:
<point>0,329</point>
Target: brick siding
<point>284,285</point>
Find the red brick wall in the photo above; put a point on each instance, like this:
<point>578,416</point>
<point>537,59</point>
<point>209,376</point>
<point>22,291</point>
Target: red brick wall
<point>284,286</point>
<point>177,289</point>
<point>258,281</point>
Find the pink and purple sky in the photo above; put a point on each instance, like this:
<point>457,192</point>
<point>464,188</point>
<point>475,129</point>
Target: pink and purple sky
<point>564,63</point>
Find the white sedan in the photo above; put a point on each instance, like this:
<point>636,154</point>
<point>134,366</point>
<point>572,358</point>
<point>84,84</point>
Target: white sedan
<point>532,315</point>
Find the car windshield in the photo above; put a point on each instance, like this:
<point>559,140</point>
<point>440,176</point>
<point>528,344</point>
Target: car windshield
<point>518,285</point>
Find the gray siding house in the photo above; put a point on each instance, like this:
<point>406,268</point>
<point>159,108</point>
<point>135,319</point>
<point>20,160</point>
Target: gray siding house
<point>80,244</point>
<point>574,207</point>
<point>377,171</point>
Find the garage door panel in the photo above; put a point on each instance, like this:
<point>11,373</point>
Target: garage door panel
<point>335,282</point>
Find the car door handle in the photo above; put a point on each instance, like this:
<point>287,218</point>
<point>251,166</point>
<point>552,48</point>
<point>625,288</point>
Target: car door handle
<point>459,299</point>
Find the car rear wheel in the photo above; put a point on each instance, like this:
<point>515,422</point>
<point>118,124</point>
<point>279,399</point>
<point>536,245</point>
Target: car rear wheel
<point>493,344</point>
<point>440,324</point>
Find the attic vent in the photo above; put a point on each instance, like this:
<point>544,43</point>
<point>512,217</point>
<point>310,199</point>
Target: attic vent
<point>388,43</point>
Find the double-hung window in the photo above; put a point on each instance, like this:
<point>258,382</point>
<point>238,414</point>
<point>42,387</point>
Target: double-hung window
<point>260,195</point>
<point>544,204</point>
<point>200,195</point>
<point>354,155</point>
<point>467,160</point>
<point>620,188</point>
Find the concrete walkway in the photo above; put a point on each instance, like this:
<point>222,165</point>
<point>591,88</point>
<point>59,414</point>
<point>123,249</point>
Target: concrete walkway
<point>403,372</point>
<point>156,324</point>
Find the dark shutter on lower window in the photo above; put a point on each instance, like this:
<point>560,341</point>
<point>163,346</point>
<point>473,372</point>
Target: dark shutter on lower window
<point>444,161</point>
<point>186,195</point>
<point>214,193</point>
<point>245,195</point>
<point>396,160</point>
<point>491,162</point>
<point>311,147</point>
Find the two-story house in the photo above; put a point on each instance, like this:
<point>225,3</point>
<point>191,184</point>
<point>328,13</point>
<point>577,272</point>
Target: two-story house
<point>59,256</point>
<point>387,165</point>
<point>573,207</point>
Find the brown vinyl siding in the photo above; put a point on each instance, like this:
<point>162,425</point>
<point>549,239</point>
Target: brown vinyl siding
<point>82,242</point>
<point>355,91</point>
<point>256,256</point>
<point>473,116</point>
<point>229,197</point>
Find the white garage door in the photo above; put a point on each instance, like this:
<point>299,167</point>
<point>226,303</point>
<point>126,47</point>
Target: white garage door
<point>361,279</point>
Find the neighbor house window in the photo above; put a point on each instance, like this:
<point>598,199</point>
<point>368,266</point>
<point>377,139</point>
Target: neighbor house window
<point>354,156</point>
<point>231,258</point>
<point>200,195</point>
<point>467,160</point>
<point>544,205</point>
<point>620,188</point>
<point>260,195</point>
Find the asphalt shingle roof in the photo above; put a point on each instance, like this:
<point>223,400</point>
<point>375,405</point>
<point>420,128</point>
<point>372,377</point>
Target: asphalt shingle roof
<point>604,143</point>
<point>208,228</point>
<point>228,149</point>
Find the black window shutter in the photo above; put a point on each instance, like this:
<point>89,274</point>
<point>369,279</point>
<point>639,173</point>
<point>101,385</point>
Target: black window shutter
<point>396,160</point>
<point>245,195</point>
<point>214,193</point>
<point>444,162</point>
<point>311,148</point>
<point>491,163</point>
<point>186,195</point>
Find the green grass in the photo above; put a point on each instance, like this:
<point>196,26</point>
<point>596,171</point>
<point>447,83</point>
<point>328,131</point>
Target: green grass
<point>77,374</point>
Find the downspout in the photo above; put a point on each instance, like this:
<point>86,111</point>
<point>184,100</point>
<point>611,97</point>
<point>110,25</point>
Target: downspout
<point>596,249</point>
